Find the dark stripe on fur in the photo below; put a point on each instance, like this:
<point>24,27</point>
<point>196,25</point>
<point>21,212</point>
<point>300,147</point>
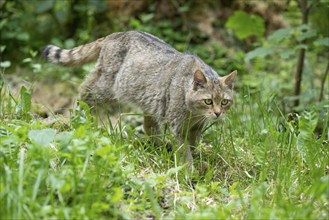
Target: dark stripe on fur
<point>45,51</point>
<point>58,53</point>
<point>153,38</point>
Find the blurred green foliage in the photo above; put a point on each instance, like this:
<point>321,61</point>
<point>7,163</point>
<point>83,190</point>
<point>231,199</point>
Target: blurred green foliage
<point>246,25</point>
<point>236,42</point>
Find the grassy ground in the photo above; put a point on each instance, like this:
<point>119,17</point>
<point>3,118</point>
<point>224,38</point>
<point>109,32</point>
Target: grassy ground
<point>256,164</point>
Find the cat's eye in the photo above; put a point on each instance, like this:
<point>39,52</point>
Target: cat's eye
<point>224,102</point>
<point>208,101</point>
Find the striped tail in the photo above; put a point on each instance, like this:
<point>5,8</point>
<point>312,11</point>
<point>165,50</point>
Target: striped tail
<point>75,56</point>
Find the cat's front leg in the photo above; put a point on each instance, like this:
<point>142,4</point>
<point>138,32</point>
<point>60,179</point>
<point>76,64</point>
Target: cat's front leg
<point>188,143</point>
<point>193,137</point>
<point>188,154</point>
<point>151,128</point>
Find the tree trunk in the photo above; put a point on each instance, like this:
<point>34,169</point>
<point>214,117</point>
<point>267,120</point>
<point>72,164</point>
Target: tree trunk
<point>323,82</point>
<point>301,57</point>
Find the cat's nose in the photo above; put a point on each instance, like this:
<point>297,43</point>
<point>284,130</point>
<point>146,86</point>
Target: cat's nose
<point>217,114</point>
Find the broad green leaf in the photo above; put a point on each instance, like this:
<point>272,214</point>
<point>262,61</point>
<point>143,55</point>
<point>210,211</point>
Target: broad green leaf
<point>135,23</point>
<point>2,48</point>
<point>36,67</point>
<point>44,6</point>
<point>42,137</point>
<point>306,35</point>
<point>280,34</point>
<point>147,17</point>
<point>27,60</point>
<point>258,52</point>
<point>303,27</point>
<point>5,64</point>
<point>246,25</point>
<point>3,23</point>
<point>24,102</point>
<point>322,41</point>
<point>69,43</point>
<point>24,36</point>
<point>64,138</point>
<point>301,46</point>
<point>184,8</point>
<point>287,53</point>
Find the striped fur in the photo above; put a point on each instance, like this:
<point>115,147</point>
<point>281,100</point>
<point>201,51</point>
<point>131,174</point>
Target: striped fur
<point>172,88</point>
<point>75,56</point>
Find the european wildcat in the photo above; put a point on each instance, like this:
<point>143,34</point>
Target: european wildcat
<point>172,88</point>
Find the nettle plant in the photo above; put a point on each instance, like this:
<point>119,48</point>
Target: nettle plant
<point>286,42</point>
<point>279,52</point>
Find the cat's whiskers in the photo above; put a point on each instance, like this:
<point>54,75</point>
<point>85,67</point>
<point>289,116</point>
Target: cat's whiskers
<point>201,119</point>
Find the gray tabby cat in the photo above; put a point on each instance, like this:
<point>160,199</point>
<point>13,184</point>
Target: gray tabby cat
<point>172,88</point>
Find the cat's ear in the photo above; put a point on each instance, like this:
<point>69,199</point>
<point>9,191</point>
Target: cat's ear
<point>199,80</point>
<point>229,79</point>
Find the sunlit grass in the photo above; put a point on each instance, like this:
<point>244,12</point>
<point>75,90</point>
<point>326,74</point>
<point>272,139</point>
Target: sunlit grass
<point>255,164</point>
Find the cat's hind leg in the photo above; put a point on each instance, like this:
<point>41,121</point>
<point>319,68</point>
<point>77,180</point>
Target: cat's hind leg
<point>98,96</point>
<point>88,89</point>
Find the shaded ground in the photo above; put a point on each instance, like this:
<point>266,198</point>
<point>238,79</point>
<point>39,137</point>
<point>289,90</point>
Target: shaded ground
<point>52,98</point>
<point>48,97</point>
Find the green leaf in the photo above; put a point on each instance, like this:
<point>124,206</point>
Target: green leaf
<point>258,52</point>
<point>23,107</point>
<point>116,195</point>
<point>64,138</point>
<point>105,151</point>
<point>147,17</point>
<point>82,115</point>
<point>42,137</point>
<point>286,54</point>
<point>27,60</point>
<point>152,198</point>
<point>303,27</point>
<point>69,43</point>
<point>280,34</point>
<point>24,36</point>
<point>3,23</point>
<point>322,42</point>
<point>2,48</point>
<point>306,35</point>
<point>44,6</point>
<point>5,64</point>
<point>301,46</point>
<point>135,23</point>
<point>306,143</point>
<point>174,170</point>
<point>184,8</point>
<point>246,25</point>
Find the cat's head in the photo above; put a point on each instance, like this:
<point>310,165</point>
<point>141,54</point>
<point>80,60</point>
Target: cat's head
<point>209,95</point>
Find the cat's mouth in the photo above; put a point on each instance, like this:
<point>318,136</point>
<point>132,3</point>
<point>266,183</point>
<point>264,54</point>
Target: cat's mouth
<point>216,116</point>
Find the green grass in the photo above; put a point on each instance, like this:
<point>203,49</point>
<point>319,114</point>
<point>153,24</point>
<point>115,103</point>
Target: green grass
<point>254,165</point>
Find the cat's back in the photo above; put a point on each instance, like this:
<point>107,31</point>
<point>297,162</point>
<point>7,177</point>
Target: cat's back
<point>146,41</point>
